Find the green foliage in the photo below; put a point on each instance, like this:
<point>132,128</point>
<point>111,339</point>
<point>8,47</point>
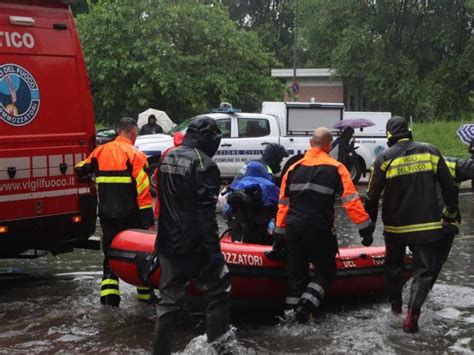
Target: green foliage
<point>412,57</point>
<point>442,134</point>
<point>272,20</point>
<point>178,56</point>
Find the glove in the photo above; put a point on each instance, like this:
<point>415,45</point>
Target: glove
<point>366,234</point>
<point>271,227</point>
<point>451,221</point>
<point>278,251</point>
<point>450,228</point>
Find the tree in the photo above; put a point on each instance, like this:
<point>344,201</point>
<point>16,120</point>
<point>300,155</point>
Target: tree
<point>177,56</point>
<point>413,57</point>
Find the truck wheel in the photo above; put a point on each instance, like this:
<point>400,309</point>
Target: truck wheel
<point>355,168</point>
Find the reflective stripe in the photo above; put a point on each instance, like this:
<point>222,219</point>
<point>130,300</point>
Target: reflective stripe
<point>110,291</point>
<point>410,164</point>
<point>114,179</point>
<point>284,201</point>
<point>145,206</point>
<point>350,197</point>
<point>140,289</point>
<point>413,227</point>
<point>143,186</point>
<point>449,215</point>
<point>109,282</point>
<point>280,230</point>
<point>292,300</point>
<point>363,224</point>
<point>311,298</point>
<point>452,167</point>
<point>269,170</point>
<point>317,288</point>
<point>145,297</point>
<point>310,186</point>
<point>199,156</point>
<point>140,176</point>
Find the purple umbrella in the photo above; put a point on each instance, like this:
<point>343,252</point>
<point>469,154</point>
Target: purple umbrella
<point>354,123</point>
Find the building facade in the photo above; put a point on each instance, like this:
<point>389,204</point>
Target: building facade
<point>323,85</point>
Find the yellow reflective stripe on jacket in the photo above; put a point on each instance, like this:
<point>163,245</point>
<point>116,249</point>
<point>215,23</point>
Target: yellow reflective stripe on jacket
<point>145,206</point>
<point>109,282</point>
<point>114,179</point>
<point>413,227</point>
<point>452,167</point>
<point>142,186</point>
<point>81,163</point>
<point>410,164</point>
<point>141,175</point>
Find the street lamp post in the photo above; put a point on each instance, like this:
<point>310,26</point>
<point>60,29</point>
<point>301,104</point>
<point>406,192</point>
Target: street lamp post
<point>295,27</point>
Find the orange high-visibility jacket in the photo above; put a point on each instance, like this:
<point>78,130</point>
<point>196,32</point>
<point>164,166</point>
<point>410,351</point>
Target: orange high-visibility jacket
<point>124,186</point>
<point>308,192</point>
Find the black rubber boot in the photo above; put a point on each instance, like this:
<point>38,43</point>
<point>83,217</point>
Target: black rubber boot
<point>163,334</point>
<point>218,321</point>
<point>302,312</point>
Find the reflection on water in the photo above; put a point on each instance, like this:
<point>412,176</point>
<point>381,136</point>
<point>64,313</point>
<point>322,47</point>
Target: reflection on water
<point>51,305</point>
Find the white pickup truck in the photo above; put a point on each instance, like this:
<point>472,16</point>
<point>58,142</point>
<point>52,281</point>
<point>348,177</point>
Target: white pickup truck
<point>244,135</point>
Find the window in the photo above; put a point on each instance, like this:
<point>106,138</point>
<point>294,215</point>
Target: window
<point>253,127</point>
<point>224,126</point>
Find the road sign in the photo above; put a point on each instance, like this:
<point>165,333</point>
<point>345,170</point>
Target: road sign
<point>295,87</point>
<point>466,133</point>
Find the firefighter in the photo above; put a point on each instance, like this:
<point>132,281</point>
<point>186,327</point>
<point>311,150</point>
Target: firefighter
<point>188,244</point>
<point>306,219</point>
<point>461,170</point>
<point>270,160</point>
<point>410,172</point>
<point>124,198</point>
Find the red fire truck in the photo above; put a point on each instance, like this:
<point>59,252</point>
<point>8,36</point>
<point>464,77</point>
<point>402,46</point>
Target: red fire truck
<point>46,127</point>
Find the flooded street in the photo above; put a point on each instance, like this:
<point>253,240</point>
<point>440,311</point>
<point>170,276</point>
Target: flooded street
<point>51,304</point>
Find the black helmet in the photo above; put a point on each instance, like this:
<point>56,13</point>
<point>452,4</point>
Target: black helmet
<point>397,128</point>
<point>273,154</point>
<point>203,133</point>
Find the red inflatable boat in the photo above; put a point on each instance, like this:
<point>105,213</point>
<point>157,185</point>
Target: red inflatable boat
<point>253,276</point>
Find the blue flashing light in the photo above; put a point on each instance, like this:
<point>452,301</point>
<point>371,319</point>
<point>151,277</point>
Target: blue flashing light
<point>226,110</point>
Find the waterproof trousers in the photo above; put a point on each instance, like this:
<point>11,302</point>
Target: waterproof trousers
<point>109,288</point>
<point>176,273</point>
<point>424,271</point>
<point>306,244</point>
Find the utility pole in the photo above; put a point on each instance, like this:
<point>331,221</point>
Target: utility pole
<point>295,27</point>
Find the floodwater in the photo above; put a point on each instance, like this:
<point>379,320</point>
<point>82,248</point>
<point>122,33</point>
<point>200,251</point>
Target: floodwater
<point>51,305</point>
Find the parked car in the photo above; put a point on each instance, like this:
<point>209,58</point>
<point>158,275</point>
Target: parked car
<point>105,135</point>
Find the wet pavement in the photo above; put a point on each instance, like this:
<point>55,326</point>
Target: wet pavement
<point>51,305</point>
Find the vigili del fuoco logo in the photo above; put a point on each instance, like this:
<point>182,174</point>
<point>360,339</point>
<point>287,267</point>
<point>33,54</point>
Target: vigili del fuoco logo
<point>19,95</point>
